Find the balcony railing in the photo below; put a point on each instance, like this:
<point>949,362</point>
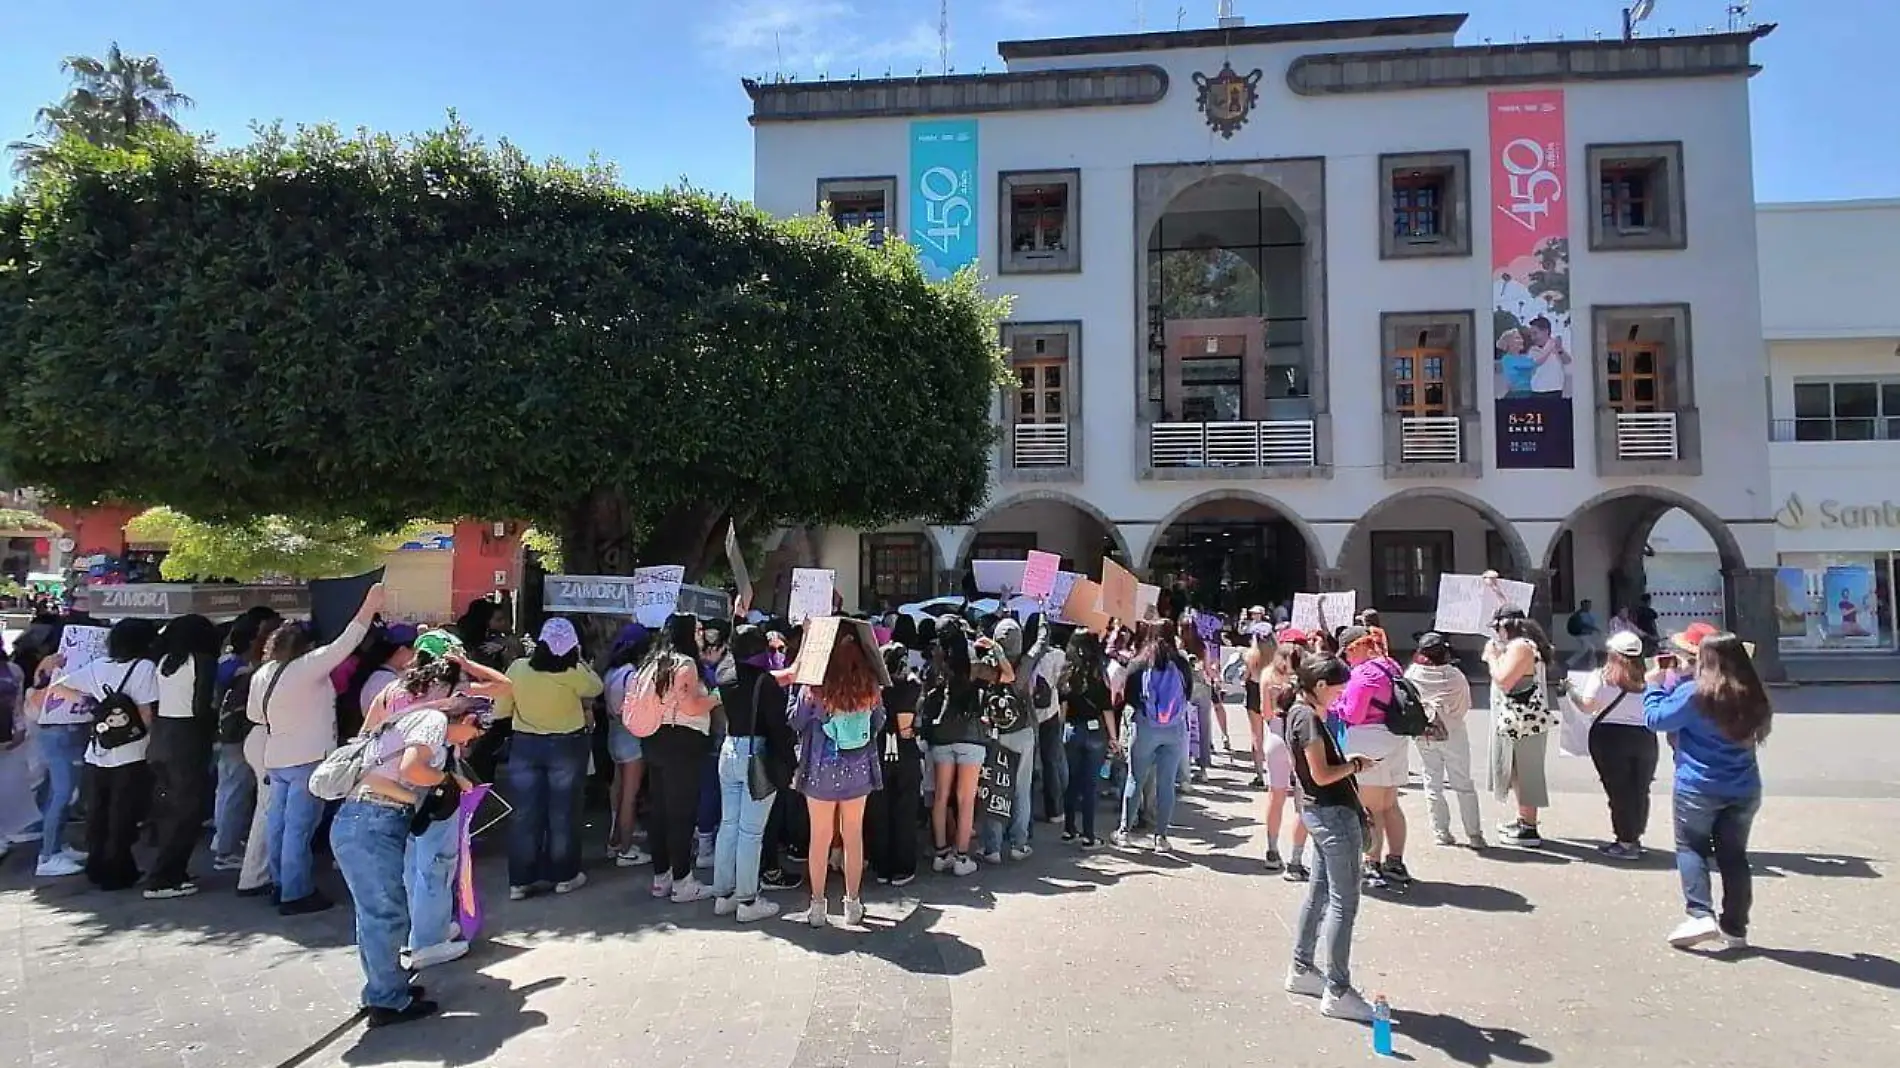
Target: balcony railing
<point>1040,445</point>
<point>1827,428</point>
<point>1273,443</point>
<point>1647,436</point>
<point>1430,439</point>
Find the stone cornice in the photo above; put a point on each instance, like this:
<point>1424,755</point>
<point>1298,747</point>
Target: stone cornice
<point>957,94</point>
<point>1233,37</point>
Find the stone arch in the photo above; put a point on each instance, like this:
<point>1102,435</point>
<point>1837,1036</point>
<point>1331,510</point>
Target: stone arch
<point>968,541</point>
<point>1513,541</point>
<point>1315,552</point>
<point>1662,500</point>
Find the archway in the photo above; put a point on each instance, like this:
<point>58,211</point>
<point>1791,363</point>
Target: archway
<point>1047,520</point>
<point>1230,549</point>
<point>1607,556</point>
<point>1397,550</point>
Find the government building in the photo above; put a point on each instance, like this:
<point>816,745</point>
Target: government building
<point>1349,305</point>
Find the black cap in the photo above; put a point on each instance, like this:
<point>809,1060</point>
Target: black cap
<point>1431,639</point>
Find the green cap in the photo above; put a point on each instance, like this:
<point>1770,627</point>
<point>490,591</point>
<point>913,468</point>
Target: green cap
<point>437,644</point>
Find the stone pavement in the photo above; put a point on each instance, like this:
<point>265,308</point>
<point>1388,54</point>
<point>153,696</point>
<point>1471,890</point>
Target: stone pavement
<point>1501,958</point>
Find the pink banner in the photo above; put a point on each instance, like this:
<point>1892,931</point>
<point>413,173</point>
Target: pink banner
<point>1039,574</point>
<point>1530,280</point>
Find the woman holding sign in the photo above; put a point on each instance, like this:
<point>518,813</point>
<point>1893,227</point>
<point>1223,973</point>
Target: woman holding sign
<point>836,721</point>
<point>1521,721</point>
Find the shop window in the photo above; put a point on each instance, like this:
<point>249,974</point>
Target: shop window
<point>860,202</point>
<point>1406,566</point>
<point>1838,601</point>
<point>1638,201</point>
<point>893,569</point>
<point>1425,198</point>
<point>1039,222</point>
<point>1866,410</point>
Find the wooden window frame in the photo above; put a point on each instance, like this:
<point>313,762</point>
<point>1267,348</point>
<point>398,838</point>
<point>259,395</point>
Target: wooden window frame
<point>883,186</point>
<point>1624,352</point>
<point>870,548</point>
<point>1418,380</point>
<point>1665,223</point>
<point>1450,172</point>
<point>1040,391</point>
<point>1440,542</point>
<point>1065,259</point>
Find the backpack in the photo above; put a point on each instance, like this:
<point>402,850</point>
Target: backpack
<point>115,719</point>
<point>643,710</point>
<point>1574,627</point>
<point>344,768</point>
<point>1405,714</point>
<point>233,724</point>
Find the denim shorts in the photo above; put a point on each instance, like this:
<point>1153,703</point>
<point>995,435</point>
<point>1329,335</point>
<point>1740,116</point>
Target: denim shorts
<point>622,744</point>
<point>962,754</point>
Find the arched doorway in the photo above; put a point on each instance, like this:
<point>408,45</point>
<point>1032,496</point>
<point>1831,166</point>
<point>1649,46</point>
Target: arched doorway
<point>1394,555</point>
<point>1230,549</point>
<point>1045,520</point>
<point>1637,542</point>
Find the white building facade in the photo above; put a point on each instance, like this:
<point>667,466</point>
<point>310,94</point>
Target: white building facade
<point>1338,305</point>
<point>1828,280</point>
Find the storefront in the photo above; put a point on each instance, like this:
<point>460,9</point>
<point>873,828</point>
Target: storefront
<point>1834,590</point>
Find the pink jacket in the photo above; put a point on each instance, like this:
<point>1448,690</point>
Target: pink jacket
<point>1371,681</point>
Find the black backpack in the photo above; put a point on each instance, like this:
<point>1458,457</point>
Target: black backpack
<point>1575,625</point>
<point>116,720</point>
<point>1405,714</point>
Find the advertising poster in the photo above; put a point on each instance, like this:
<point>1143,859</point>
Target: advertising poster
<point>1847,603</point>
<point>1791,602</point>
<point>1533,366</point>
<point>943,195</point>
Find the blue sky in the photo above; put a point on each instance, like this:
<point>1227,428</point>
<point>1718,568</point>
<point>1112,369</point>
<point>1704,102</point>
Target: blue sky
<point>653,85</point>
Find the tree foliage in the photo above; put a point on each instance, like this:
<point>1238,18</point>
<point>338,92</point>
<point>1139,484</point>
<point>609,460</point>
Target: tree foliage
<point>111,100</point>
<point>327,327</point>
<point>264,547</point>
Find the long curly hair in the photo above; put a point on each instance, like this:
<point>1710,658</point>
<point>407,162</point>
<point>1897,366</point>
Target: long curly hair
<point>851,684</point>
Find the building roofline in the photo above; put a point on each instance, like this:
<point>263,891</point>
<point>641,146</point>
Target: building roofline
<point>1864,204</point>
<point>1281,33</point>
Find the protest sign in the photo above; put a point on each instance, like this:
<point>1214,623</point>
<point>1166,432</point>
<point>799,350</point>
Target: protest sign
<point>81,646</point>
<point>741,578</point>
<point>998,576</point>
<point>468,906</point>
<point>1118,592</point>
<point>655,593</point>
<point>811,593</point>
<point>1147,601</point>
<point>996,784</point>
<point>822,635</point>
<point>1466,603</point>
<point>1039,574</point>
<point>1324,611</point>
<point>1058,596</point>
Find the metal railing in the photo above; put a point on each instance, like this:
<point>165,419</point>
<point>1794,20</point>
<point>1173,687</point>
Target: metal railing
<point>1832,428</point>
<point>1647,436</point>
<point>1272,443</point>
<point>1431,439</point>
<point>1040,445</point>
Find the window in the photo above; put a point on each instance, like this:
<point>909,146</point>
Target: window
<point>893,569</point>
<point>1039,423</point>
<point>1638,197</point>
<point>1003,545</point>
<point>1424,198</point>
<point>1429,410</point>
<point>1038,222</point>
<point>1211,389</point>
<point>1421,381</point>
<point>1633,376</point>
<point>1641,358</point>
<point>1845,411</point>
<point>1406,566</point>
<point>859,202</point>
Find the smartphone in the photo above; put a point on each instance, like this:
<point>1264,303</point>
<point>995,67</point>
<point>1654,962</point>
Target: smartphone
<point>1665,660</point>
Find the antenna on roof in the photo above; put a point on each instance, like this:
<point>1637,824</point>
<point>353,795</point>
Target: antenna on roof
<point>943,35</point>
<point>1739,16</point>
<point>1180,18</point>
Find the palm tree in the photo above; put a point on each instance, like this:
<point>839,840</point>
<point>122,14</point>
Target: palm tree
<point>110,100</point>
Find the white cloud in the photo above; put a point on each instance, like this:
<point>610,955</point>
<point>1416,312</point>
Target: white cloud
<point>812,37</point>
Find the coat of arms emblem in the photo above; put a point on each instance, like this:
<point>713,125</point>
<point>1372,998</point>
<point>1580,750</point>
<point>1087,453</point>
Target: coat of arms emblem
<point>1228,98</point>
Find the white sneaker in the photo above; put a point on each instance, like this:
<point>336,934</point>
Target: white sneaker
<point>1444,838</point>
<point>166,893</point>
<point>227,863</point>
<point>440,953</point>
<point>663,885</point>
<point>632,857</point>
<point>1021,852</point>
<point>853,912</point>
<point>77,856</point>
<point>1346,1006</point>
<point>1162,845</point>
<point>759,908</point>
<point>568,886</point>
<point>993,857</point>
<point>813,914</point>
<point>725,906</point>
<point>1694,931</point>
<point>1307,984</point>
<point>517,893</point>
<point>963,865</point>
<point>57,866</point>
<point>689,890</point>
<point>1118,838</point>
<point>941,862</point>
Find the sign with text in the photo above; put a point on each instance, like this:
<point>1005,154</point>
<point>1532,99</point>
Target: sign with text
<point>167,600</point>
<point>1466,603</point>
<point>811,593</point>
<point>1147,601</point>
<point>1119,590</point>
<point>998,576</point>
<point>1324,611</point>
<point>1530,281</point>
<point>943,219</point>
<point>1039,574</point>
<point>649,595</point>
<point>80,646</point>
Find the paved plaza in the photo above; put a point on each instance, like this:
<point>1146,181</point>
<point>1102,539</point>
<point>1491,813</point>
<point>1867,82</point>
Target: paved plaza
<point>1502,958</point>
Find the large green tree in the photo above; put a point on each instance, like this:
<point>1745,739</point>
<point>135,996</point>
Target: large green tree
<point>328,327</point>
<point>111,101</point>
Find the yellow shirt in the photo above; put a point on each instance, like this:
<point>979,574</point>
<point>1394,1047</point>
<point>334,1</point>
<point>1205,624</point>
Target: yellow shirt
<point>552,702</point>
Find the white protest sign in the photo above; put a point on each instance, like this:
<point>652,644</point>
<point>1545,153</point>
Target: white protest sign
<point>999,576</point>
<point>1059,596</point>
<point>81,646</point>
<point>1039,574</point>
<point>656,590</point>
<point>1466,603</point>
<point>735,559</point>
<point>811,593</point>
<point>1324,611</point>
<point>1147,600</point>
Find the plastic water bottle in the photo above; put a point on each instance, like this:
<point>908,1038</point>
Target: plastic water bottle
<point>1381,1026</point>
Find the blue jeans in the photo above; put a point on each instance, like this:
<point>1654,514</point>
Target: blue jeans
<point>1022,743</point>
<point>62,747</point>
<point>236,797</point>
<point>741,823</point>
<point>429,874</point>
<point>367,841</point>
<point>1332,894</point>
<point>544,784</point>
<point>1710,827</point>
<point>1158,750</point>
<point>1085,750</point>
<point>290,823</point>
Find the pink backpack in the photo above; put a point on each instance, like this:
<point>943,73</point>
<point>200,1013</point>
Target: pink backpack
<point>642,709</point>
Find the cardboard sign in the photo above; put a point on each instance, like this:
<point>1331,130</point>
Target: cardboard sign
<point>1083,606</point>
<point>81,646</point>
<point>655,592</point>
<point>1466,603</point>
<point>1147,601</point>
<point>821,636</point>
<point>741,578</point>
<point>1119,590</point>
<point>999,576</point>
<point>1039,574</point>
<point>1324,611</point>
<point>1058,597</point>
<point>811,593</point>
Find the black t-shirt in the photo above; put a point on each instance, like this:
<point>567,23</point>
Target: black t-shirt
<point>1303,726</point>
<point>1084,711</point>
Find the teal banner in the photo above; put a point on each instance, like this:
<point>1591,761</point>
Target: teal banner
<point>943,195</point>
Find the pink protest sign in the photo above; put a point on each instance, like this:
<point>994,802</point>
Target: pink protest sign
<point>1039,574</point>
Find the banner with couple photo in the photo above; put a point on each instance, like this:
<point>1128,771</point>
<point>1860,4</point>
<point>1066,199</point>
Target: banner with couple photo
<point>1533,365</point>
